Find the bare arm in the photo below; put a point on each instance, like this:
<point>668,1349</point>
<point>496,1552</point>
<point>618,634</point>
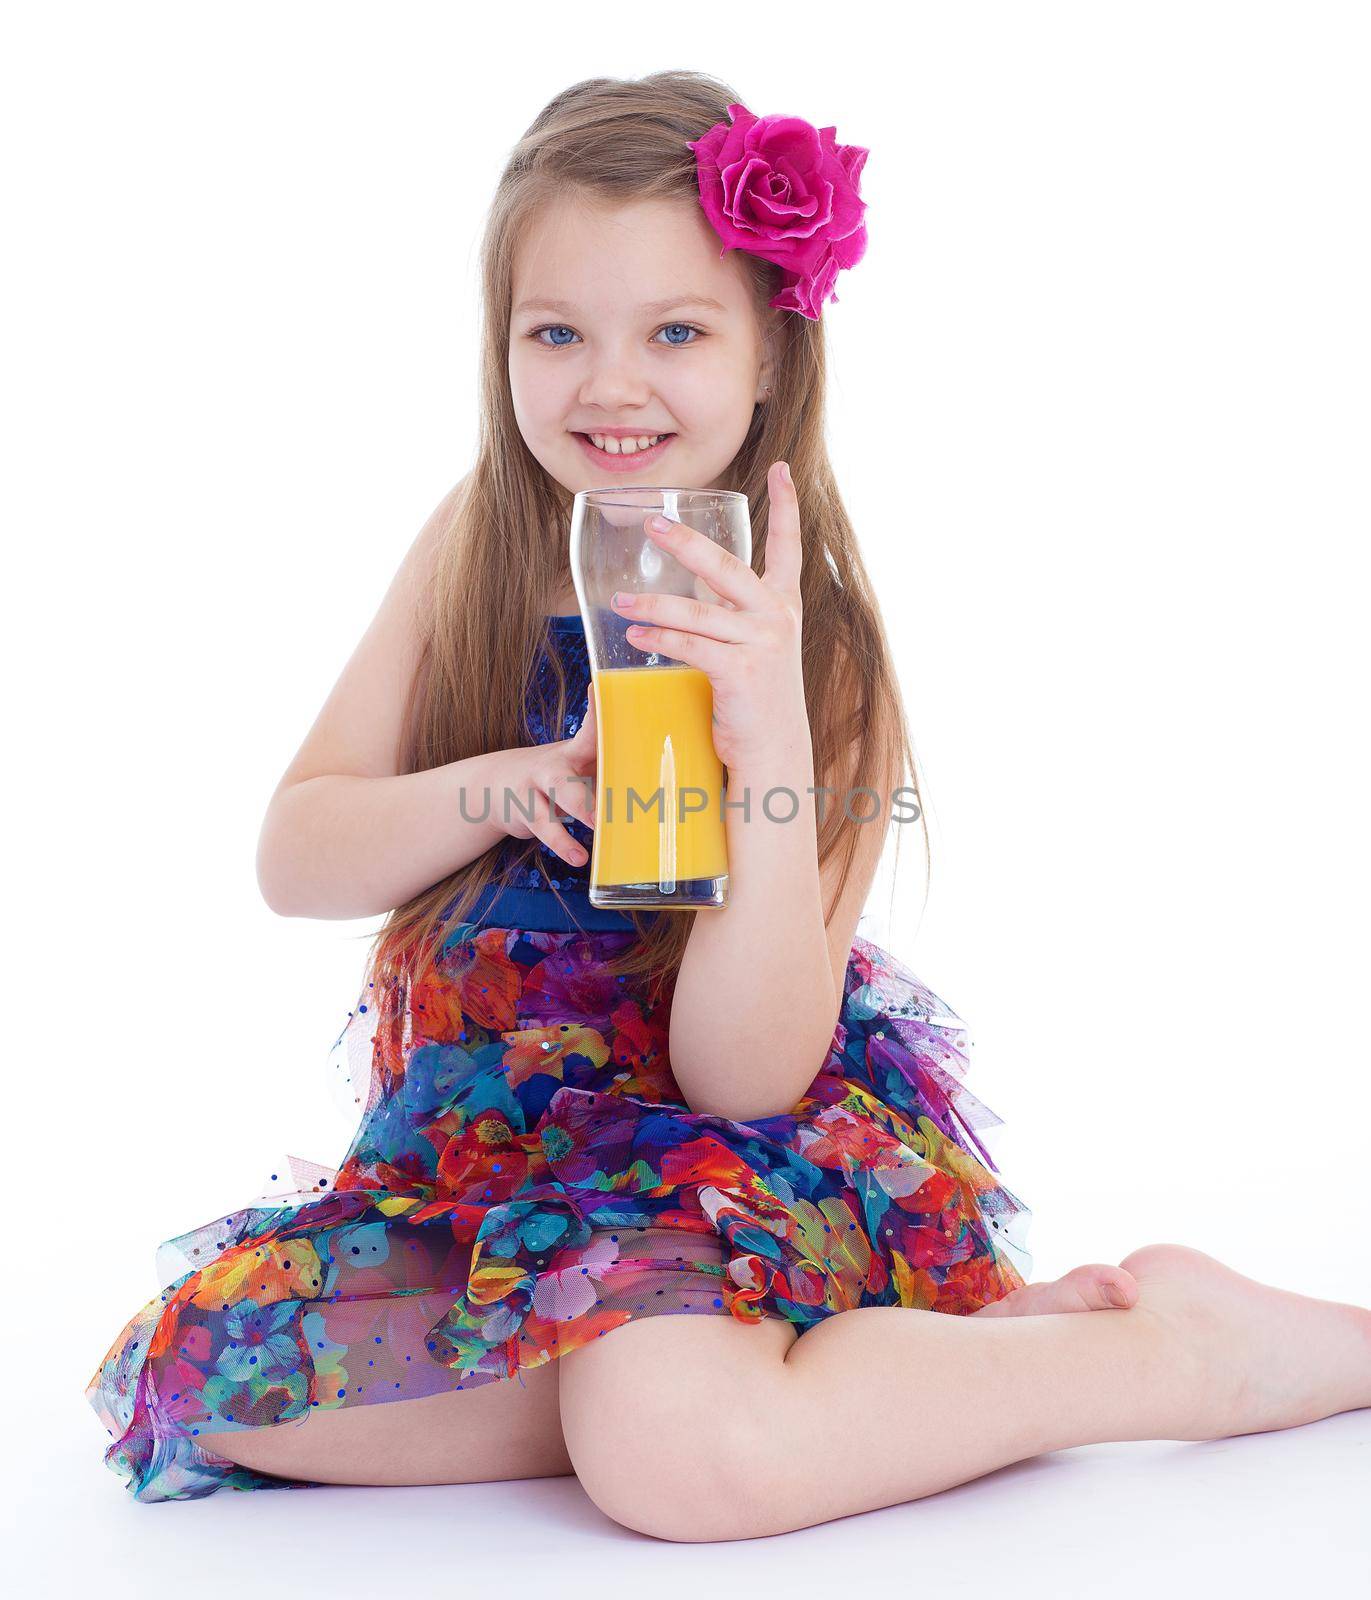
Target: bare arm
<point>761,983</point>
<point>346,834</point>
<point>341,845</point>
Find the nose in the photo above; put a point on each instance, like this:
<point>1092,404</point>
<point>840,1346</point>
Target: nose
<point>615,381</point>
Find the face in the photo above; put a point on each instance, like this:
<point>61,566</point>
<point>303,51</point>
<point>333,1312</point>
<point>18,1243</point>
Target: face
<point>612,329</point>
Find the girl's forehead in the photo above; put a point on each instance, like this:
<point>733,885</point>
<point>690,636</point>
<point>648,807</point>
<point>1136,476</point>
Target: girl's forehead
<point>623,257</point>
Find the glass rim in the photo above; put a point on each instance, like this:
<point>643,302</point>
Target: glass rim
<point>590,496</point>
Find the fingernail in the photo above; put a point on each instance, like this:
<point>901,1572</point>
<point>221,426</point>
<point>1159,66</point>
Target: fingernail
<point>659,524</point>
<point>1115,1296</point>
<point>785,471</point>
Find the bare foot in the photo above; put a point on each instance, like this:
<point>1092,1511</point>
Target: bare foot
<point>1094,1287</point>
<point>1267,1358</point>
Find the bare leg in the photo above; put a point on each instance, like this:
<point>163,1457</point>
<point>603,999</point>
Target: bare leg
<point>493,1431</point>
<point>880,1405</point>
<point>1204,1353</point>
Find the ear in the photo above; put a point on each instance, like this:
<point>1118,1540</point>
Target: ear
<point>766,374</point>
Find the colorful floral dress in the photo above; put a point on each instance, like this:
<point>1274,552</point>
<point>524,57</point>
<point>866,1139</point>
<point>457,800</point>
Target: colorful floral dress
<point>526,1175</point>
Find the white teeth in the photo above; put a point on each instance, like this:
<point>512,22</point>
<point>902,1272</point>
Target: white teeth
<point>624,447</point>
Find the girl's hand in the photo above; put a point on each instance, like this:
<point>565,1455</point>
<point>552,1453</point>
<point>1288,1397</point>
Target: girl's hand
<point>547,778</point>
<point>748,647</point>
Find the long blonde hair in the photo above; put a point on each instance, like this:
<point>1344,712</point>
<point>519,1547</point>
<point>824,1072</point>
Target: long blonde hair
<point>621,142</point>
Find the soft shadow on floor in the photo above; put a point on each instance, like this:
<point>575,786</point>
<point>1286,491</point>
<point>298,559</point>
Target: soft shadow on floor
<point>1265,1514</point>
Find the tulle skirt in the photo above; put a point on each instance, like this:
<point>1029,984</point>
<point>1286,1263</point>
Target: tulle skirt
<point>526,1176</point>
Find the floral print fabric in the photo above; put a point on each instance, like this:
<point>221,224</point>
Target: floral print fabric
<point>527,1176</point>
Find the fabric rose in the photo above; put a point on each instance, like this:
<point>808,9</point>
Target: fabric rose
<point>782,189</point>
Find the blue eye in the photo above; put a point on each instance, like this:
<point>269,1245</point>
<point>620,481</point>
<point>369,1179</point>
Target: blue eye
<point>689,327</point>
<point>562,344</point>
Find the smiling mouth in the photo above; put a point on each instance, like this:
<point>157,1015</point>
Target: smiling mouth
<point>625,447</point>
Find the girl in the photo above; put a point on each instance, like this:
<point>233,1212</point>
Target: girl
<point>686,1180</point>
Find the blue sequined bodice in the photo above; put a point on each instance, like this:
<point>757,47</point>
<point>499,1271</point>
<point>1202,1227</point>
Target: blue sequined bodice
<point>522,897</point>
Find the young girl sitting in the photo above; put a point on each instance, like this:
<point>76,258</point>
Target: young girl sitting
<point>693,1205</point>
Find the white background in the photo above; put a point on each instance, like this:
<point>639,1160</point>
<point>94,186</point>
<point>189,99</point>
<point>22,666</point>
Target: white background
<point>1100,414</point>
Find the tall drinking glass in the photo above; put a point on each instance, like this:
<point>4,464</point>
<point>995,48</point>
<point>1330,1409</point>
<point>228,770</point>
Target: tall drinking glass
<point>659,829</point>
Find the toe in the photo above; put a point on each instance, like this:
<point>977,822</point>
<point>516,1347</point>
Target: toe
<point>1104,1288</point>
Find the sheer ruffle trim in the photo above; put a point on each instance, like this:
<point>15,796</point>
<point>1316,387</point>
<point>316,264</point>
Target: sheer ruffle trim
<point>526,1176</point>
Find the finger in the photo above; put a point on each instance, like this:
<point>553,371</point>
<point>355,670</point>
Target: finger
<point>560,788</point>
<point>694,649</point>
<point>579,771</point>
<point>546,827</point>
<point>684,612</point>
<point>575,794</point>
<point>784,549</point>
<point>575,784</point>
<point>728,575</point>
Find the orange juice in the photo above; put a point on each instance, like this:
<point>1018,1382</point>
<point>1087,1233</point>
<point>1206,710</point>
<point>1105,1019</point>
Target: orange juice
<point>654,734</point>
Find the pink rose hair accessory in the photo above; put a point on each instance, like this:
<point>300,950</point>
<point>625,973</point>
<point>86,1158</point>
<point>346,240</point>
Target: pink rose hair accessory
<point>782,189</point>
